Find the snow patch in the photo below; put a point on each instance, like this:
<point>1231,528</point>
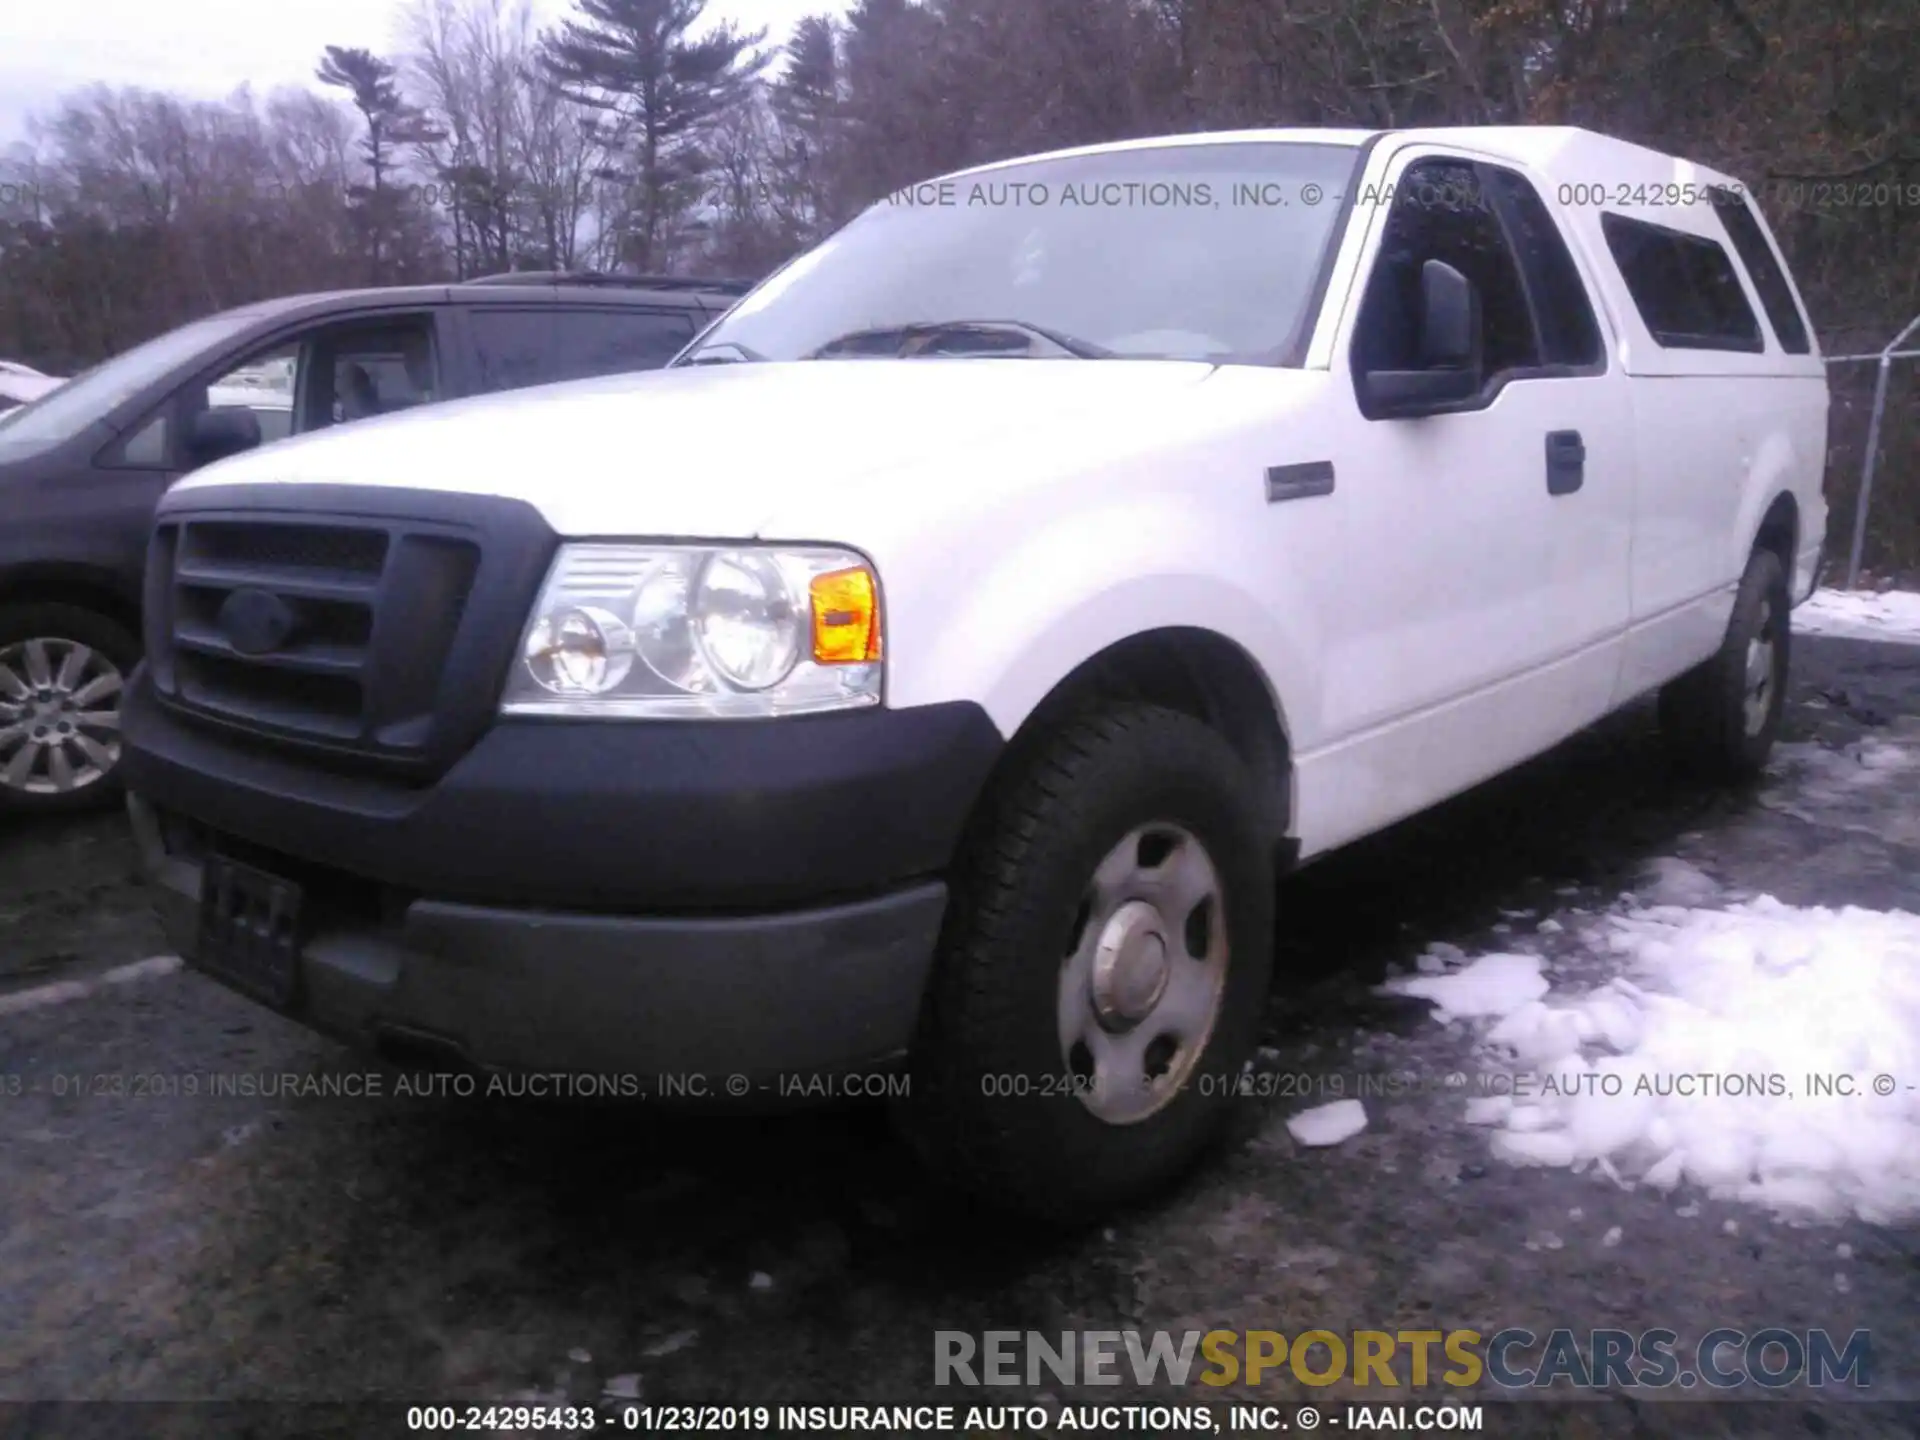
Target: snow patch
<point>1834,774</point>
<point>62,991</point>
<point>679,1340</point>
<point>1892,615</point>
<point>239,1134</point>
<point>1328,1124</point>
<point>1491,985</point>
<point>1703,1065</point>
<point>57,993</point>
<point>1672,881</point>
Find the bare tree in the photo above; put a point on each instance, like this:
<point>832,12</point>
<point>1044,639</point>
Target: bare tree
<point>561,157</point>
<point>514,157</point>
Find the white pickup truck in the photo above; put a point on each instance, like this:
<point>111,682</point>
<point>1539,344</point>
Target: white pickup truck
<point>1199,505</point>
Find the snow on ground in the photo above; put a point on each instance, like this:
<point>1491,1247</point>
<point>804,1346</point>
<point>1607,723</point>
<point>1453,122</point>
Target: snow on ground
<point>1829,774</point>
<point>1673,881</point>
<point>1844,788</point>
<point>1328,1124</point>
<point>1761,1052</point>
<point>1861,615</point>
<point>1491,985</point>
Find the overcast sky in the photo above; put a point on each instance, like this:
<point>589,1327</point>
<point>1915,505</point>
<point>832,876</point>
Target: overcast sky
<point>209,48</point>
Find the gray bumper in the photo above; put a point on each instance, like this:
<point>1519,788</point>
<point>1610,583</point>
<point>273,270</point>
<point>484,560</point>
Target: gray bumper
<point>658,1001</point>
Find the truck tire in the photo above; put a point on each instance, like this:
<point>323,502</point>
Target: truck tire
<point>1720,719</point>
<point>62,673</point>
<point>1102,973</point>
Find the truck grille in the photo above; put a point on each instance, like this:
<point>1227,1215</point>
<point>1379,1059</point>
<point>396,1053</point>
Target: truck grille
<point>376,639</point>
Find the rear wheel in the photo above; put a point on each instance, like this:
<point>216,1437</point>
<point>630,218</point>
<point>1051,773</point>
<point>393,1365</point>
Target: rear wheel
<point>62,673</point>
<point>1103,972</point>
<point>1721,719</point>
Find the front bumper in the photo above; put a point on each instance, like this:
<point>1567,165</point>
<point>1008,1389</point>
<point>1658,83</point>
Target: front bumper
<point>720,899</point>
<point>621,816</point>
<point>694,1006</point>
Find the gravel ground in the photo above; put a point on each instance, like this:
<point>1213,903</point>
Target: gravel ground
<point>160,1244</point>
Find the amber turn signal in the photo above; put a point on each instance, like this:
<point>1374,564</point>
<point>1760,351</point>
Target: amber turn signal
<point>846,617</point>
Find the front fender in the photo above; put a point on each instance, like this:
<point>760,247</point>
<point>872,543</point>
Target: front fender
<point>1007,634</point>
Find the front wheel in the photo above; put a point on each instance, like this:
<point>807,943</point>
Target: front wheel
<point>1103,971</point>
<point>1721,719</point>
<point>62,672</point>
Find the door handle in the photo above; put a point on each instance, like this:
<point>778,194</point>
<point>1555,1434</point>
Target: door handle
<point>1566,462</point>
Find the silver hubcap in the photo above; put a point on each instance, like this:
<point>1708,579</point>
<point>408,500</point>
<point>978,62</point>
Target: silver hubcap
<point>1760,676</point>
<point>1142,981</point>
<point>59,716</point>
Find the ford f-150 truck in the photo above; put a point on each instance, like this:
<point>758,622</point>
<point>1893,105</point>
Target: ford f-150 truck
<point>932,666</point>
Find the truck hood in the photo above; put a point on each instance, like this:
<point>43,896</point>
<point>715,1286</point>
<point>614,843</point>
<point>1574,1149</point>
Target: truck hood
<point>712,450</point>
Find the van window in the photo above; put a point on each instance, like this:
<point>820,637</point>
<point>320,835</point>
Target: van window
<point>378,367</point>
<point>518,347</point>
<point>1684,286</point>
<point>264,383</point>
<point>1768,278</point>
<point>610,342</point>
<point>146,448</point>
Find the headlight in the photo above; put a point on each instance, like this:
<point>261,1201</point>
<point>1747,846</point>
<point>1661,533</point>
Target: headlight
<point>683,630</point>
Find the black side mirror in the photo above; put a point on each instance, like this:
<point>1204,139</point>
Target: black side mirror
<point>1449,318</point>
<point>216,434</point>
<point>1449,350</point>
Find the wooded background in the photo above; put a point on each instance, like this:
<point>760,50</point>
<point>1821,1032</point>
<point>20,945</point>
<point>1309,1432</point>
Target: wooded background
<point>634,134</point>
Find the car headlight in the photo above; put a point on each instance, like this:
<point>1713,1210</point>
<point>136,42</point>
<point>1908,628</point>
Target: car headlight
<point>700,630</point>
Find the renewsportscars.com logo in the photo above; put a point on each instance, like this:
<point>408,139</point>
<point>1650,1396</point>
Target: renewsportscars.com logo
<point>1773,1358</point>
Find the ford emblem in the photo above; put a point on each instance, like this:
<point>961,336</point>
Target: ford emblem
<point>255,622</point>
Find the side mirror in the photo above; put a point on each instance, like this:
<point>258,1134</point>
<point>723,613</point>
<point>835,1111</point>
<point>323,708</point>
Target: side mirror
<point>1449,350</point>
<point>1449,318</point>
<point>216,434</point>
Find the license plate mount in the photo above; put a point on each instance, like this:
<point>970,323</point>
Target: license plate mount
<point>250,930</point>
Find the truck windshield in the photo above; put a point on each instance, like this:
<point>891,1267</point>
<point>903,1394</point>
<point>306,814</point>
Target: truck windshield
<point>1190,252</point>
<point>63,413</point>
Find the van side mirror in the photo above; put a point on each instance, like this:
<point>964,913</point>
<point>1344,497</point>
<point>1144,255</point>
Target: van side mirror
<point>216,434</point>
<point>1450,351</point>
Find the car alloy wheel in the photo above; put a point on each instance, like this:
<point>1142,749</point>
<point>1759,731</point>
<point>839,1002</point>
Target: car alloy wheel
<point>59,716</point>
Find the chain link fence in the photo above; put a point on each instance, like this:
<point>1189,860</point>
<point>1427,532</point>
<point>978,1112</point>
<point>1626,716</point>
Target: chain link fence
<point>1889,535</point>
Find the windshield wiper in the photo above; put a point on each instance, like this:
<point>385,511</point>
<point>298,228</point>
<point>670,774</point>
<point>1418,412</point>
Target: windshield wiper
<point>954,337</point>
<point>723,352</point>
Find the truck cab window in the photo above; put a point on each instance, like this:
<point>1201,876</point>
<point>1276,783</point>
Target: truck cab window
<point>1441,211</point>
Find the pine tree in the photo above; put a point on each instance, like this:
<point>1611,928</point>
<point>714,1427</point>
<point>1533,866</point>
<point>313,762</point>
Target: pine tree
<point>662,92</point>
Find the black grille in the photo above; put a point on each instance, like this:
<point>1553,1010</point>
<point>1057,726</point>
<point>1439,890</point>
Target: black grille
<point>379,640</point>
<point>318,548</point>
